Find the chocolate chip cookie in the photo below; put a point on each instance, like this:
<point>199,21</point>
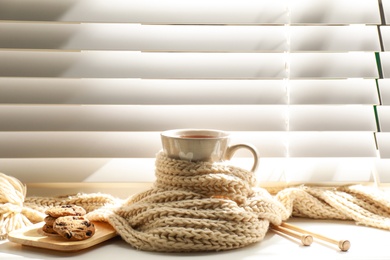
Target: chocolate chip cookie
<point>65,210</point>
<point>74,227</point>
<point>49,220</point>
<point>48,229</point>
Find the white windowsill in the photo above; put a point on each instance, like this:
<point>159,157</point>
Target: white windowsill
<point>366,243</point>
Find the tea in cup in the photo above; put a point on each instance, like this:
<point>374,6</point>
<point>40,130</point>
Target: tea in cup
<point>202,145</point>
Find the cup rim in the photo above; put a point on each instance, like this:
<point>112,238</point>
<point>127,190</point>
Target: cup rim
<point>175,133</point>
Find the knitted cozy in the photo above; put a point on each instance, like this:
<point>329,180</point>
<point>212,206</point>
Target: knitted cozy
<point>200,207</point>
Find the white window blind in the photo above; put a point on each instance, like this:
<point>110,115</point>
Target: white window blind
<point>86,86</point>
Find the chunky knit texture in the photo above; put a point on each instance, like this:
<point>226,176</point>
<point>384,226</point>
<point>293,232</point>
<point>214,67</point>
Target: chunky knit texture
<point>200,207</point>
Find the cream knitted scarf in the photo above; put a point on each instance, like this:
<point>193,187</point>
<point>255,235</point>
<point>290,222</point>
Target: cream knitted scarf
<point>200,207</point>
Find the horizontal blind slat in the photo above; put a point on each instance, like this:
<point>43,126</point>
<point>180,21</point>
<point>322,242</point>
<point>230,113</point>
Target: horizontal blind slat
<point>111,144</point>
<point>383,139</point>
<point>384,90</point>
<point>177,65</point>
<point>386,10</point>
<point>191,11</point>
<point>335,12</point>
<point>141,91</point>
<point>141,118</point>
<point>120,64</point>
<point>385,63</point>
<point>333,38</point>
<point>77,170</point>
<point>332,144</point>
<point>154,91</point>
<point>138,118</point>
<point>127,144</point>
<point>333,65</point>
<point>137,37</point>
<point>317,91</point>
<point>331,118</point>
<point>328,171</point>
<point>384,118</point>
<point>385,33</point>
<point>146,11</point>
<point>78,144</point>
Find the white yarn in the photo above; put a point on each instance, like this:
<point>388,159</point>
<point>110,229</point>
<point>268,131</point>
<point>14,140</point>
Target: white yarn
<point>12,194</point>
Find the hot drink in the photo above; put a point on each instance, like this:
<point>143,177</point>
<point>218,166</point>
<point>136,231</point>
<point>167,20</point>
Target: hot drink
<point>197,136</point>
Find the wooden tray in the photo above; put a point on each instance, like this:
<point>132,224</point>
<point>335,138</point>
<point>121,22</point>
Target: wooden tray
<point>34,236</point>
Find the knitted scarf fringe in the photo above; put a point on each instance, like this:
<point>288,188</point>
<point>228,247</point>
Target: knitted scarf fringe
<point>200,207</point>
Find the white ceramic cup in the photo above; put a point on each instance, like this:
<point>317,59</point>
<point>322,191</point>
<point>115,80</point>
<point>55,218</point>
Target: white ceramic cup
<point>202,145</point>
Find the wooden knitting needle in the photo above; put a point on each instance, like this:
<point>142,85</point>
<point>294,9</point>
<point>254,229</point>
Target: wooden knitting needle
<point>344,245</point>
<point>304,238</point>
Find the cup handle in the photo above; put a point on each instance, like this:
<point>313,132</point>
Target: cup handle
<point>231,150</point>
